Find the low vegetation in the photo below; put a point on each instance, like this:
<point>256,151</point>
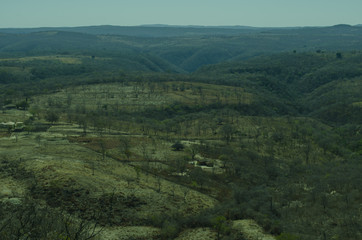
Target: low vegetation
<point>268,148</point>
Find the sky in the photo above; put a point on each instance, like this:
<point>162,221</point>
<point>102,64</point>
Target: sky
<point>256,13</point>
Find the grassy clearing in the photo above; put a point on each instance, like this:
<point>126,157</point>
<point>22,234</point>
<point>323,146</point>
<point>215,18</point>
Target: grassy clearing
<point>63,59</point>
<point>73,176</point>
<point>139,96</point>
<point>54,58</point>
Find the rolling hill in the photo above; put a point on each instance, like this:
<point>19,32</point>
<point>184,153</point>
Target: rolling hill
<point>170,132</point>
<point>188,48</point>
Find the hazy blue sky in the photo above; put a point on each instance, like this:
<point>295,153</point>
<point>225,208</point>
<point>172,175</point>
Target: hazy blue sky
<point>277,13</point>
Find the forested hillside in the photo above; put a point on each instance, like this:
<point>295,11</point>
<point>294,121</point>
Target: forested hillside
<point>188,48</point>
<point>314,84</point>
<point>160,137</point>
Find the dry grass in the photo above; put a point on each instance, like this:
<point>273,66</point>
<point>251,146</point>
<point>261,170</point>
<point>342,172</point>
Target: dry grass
<point>135,97</point>
<point>251,230</point>
<point>56,163</point>
<point>61,59</point>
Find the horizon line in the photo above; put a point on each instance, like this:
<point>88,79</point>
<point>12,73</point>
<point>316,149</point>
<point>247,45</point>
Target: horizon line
<point>183,26</point>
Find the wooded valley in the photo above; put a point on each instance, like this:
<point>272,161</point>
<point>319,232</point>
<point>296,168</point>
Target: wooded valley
<point>181,132</point>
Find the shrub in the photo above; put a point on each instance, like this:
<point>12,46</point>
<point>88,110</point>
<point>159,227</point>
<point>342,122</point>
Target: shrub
<point>286,236</point>
<point>52,116</point>
<point>169,230</point>
<point>178,146</point>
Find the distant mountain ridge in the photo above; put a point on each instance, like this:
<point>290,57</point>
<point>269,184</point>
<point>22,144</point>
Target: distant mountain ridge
<point>161,30</point>
<point>139,31</point>
<point>185,48</point>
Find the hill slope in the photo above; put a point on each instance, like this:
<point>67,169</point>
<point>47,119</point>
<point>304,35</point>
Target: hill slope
<point>320,84</point>
<point>185,47</point>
